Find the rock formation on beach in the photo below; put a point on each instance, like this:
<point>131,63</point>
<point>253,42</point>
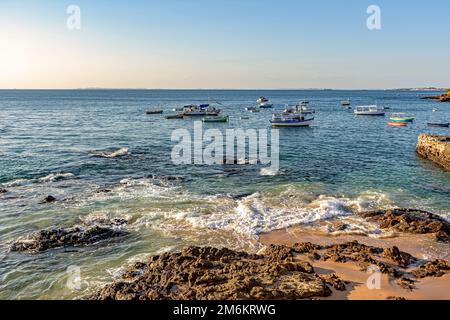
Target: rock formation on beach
<point>82,234</point>
<point>445,97</point>
<point>410,221</point>
<point>280,271</point>
<point>219,274</point>
<point>435,148</point>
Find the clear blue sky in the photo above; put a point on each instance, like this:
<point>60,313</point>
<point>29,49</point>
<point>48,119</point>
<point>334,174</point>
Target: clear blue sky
<point>224,44</point>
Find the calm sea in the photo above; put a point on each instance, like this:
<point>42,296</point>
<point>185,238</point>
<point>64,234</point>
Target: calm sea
<point>100,155</point>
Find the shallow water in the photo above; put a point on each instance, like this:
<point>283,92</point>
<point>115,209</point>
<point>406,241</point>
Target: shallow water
<point>101,155</point>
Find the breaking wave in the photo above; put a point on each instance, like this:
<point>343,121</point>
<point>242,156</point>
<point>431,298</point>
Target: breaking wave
<point>110,154</point>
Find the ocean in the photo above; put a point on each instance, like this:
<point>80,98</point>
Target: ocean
<point>100,155</point>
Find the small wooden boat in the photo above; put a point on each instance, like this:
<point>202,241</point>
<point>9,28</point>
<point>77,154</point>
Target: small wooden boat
<point>216,119</point>
<point>174,116</point>
<point>401,117</point>
<point>438,125</point>
<point>397,124</point>
<point>154,111</point>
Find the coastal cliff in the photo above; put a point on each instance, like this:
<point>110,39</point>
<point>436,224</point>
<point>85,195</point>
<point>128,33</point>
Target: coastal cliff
<point>435,148</point>
<point>441,98</point>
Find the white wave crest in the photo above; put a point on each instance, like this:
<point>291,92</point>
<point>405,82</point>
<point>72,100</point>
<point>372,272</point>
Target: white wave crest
<point>56,176</point>
<point>110,154</point>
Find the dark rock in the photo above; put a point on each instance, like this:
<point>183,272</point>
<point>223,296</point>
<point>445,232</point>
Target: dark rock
<point>239,196</point>
<point>396,298</point>
<point>406,283</point>
<point>2,190</point>
<point>73,236</point>
<point>49,199</point>
<point>217,274</point>
<point>403,259</point>
<point>334,281</point>
<point>436,268</point>
<point>306,247</point>
<point>409,221</point>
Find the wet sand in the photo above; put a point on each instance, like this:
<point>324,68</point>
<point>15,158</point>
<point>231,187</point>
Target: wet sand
<point>421,246</point>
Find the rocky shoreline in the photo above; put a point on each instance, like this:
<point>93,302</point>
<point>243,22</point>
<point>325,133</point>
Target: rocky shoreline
<point>435,148</point>
<point>280,271</point>
<point>445,97</point>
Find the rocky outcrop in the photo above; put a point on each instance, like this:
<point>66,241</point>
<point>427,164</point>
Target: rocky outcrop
<point>74,236</point>
<point>278,273</point>
<point>410,221</point>
<point>445,97</point>
<point>435,148</point>
<point>219,274</point>
<point>3,190</point>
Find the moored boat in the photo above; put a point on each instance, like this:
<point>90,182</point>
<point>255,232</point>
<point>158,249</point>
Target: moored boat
<point>397,124</point>
<point>303,108</point>
<point>216,119</point>
<point>174,116</point>
<point>263,102</point>
<point>438,125</point>
<point>372,110</point>
<point>346,103</point>
<point>401,117</point>
<point>200,110</point>
<point>154,111</point>
<point>291,120</point>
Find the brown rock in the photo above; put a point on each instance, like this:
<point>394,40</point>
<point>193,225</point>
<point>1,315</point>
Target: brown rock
<point>201,274</point>
<point>403,259</point>
<point>334,281</point>
<point>436,268</point>
<point>435,148</point>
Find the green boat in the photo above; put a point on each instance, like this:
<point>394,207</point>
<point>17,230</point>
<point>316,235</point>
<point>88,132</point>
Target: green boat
<point>174,116</point>
<point>216,119</point>
<point>401,117</point>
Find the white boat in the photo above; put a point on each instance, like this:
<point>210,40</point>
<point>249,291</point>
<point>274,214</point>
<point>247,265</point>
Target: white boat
<point>200,110</point>
<point>373,110</point>
<point>346,103</point>
<point>252,109</point>
<point>263,102</point>
<point>303,108</point>
<point>291,120</point>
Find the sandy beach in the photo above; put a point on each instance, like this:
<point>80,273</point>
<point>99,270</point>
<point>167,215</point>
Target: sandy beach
<point>420,246</point>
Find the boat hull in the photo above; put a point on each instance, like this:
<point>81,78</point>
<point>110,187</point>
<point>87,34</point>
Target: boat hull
<point>362,113</point>
<point>401,119</point>
<point>397,124</point>
<point>265,105</point>
<point>291,123</point>
<point>439,125</point>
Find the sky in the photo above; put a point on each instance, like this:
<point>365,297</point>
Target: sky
<point>224,44</point>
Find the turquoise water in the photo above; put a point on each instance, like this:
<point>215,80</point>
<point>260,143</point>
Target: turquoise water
<point>58,142</point>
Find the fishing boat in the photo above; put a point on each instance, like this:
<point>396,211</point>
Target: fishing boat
<point>291,120</point>
<point>303,108</point>
<point>252,109</point>
<point>373,110</point>
<point>401,117</point>
<point>438,125</point>
<point>200,110</point>
<point>346,103</point>
<point>397,124</point>
<point>216,119</point>
<point>263,102</point>
<point>174,116</point>
<point>154,111</point>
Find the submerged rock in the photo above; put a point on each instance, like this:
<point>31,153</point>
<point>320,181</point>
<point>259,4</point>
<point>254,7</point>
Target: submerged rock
<point>2,190</point>
<point>74,236</point>
<point>410,221</point>
<point>220,274</point>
